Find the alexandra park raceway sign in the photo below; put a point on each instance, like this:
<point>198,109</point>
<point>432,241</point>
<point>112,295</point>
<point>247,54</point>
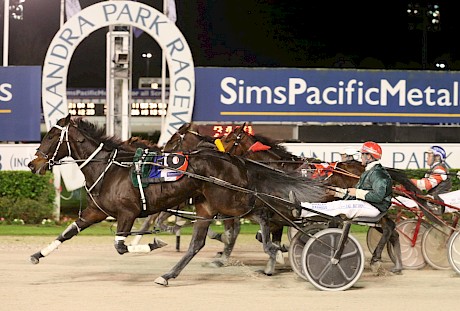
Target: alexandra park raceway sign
<point>135,14</point>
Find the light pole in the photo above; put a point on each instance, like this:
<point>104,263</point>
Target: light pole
<point>147,57</point>
<point>424,17</point>
<point>15,9</point>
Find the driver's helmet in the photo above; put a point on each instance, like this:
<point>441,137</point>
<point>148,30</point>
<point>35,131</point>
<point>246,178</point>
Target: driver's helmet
<point>438,151</point>
<point>372,148</point>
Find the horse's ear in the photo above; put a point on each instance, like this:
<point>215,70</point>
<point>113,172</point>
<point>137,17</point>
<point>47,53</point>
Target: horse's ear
<point>241,128</point>
<point>67,119</point>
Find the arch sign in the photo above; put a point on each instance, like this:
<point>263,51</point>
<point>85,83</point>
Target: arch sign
<point>135,14</point>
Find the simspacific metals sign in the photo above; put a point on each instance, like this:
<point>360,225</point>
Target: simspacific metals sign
<point>326,95</point>
<point>20,109</point>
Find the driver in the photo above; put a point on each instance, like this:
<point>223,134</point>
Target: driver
<point>370,197</point>
<point>349,154</point>
<point>437,180</point>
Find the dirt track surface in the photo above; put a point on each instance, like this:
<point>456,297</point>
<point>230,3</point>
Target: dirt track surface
<point>86,273</point>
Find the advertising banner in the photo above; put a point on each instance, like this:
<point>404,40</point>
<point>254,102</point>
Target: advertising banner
<point>326,95</point>
<point>401,156</point>
<point>20,106</point>
<point>15,157</point>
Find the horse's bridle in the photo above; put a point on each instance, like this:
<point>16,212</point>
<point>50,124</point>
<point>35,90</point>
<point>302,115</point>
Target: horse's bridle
<point>63,138</point>
<point>178,145</point>
<point>236,143</point>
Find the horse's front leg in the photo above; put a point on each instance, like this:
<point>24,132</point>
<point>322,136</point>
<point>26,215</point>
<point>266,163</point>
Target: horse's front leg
<point>125,224</point>
<point>87,219</point>
<point>200,229</point>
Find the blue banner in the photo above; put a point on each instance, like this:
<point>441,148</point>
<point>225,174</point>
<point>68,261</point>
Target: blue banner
<point>326,95</point>
<point>20,103</point>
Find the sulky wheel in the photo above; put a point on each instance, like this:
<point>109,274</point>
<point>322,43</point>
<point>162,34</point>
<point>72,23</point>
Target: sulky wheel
<point>434,247</point>
<point>318,265</point>
<point>297,244</point>
<point>411,243</point>
<point>372,239</point>
<point>453,251</point>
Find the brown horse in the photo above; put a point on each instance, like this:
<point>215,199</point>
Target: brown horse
<point>187,139</point>
<point>227,185</point>
<point>341,174</point>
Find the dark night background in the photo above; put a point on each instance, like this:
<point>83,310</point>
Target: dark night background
<point>257,33</point>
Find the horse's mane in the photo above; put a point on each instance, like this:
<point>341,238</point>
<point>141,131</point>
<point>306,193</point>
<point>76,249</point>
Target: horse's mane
<point>97,133</point>
<point>138,142</point>
<point>276,148</point>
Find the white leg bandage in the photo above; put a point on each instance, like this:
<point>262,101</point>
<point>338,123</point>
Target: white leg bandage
<point>50,248</point>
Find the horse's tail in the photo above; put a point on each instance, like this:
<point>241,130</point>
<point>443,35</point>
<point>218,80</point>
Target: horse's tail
<point>400,177</point>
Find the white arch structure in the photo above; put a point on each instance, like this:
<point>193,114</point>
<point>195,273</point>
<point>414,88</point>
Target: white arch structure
<point>135,14</point>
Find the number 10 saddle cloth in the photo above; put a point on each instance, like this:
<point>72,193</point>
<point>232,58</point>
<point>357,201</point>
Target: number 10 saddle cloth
<point>153,167</point>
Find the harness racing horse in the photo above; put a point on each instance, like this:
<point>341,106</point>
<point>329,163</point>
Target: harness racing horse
<point>226,184</point>
<point>340,174</point>
<point>187,139</point>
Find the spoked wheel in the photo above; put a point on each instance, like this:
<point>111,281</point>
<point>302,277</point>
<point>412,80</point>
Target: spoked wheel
<point>317,262</point>
<point>434,247</point>
<point>453,251</point>
<point>297,244</point>
<point>372,240</point>
<point>411,244</point>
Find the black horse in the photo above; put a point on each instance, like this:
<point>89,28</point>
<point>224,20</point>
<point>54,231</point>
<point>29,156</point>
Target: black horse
<point>227,185</point>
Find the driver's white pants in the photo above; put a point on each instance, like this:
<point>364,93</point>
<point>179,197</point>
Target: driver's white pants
<point>349,208</point>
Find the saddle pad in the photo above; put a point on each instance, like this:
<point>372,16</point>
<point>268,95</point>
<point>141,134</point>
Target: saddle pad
<point>174,160</point>
<point>151,173</point>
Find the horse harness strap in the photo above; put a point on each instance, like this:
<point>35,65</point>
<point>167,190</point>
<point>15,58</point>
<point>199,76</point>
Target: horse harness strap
<point>92,156</point>
<point>110,162</point>
<point>64,134</point>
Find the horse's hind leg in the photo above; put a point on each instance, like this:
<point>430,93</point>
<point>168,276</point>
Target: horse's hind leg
<point>72,230</point>
<point>200,229</point>
<point>125,224</point>
<point>270,248</point>
<point>276,234</point>
<point>231,232</point>
<point>394,240</point>
<point>389,234</point>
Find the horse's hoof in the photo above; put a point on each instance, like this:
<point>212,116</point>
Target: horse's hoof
<point>375,266</point>
<point>161,281</point>
<point>157,243</point>
<point>284,248</point>
<point>397,271</point>
<point>214,264</point>
<point>219,255</point>
<point>279,257</point>
<point>34,260</point>
<point>267,273</point>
